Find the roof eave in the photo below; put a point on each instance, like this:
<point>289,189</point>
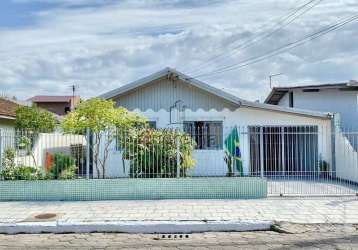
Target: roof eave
<point>302,112</point>
<point>268,98</point>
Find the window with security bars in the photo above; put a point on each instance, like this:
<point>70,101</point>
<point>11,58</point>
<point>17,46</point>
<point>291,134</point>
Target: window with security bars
<point>152,124</point>
<point>206,134</point>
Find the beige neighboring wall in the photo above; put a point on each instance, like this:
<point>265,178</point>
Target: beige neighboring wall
<point>54,107</point>
<point>56,104</point>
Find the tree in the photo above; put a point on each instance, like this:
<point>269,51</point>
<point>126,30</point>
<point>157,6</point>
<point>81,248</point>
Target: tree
<point>34,119</point>
<point>104,121</point>
<point>30,121</point>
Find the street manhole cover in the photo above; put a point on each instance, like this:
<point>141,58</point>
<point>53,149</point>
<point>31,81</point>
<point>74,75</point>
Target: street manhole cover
<point>45,216</point>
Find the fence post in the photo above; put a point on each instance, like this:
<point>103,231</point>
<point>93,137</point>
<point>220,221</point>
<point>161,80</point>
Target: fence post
<point>87,153</point>
<point>283,160</point>
<point>178,155</point>
<point>262,151</point>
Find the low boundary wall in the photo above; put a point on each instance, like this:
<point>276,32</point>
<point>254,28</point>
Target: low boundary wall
<point>134,189</point>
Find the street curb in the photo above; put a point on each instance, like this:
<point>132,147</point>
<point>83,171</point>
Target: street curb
<point>134,227</point>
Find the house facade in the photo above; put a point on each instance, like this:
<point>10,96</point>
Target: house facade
<point>7,123</point>
<point>59,105</point>
<point>341,98</point>
<point>170,99</point>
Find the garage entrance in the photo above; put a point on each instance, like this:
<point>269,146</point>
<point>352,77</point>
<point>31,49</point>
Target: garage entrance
<point>284,151</point>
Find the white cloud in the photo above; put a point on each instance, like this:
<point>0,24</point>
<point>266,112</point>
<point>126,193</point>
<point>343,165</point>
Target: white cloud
<point>101,46</point>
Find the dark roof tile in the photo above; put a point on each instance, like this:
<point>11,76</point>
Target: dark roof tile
<point>7,107</point>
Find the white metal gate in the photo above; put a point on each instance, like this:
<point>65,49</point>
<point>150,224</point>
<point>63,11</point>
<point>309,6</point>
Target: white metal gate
<point>304,160</point>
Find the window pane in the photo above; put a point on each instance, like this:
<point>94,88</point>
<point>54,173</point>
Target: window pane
<point>206,134</point>
<point>152,124</point>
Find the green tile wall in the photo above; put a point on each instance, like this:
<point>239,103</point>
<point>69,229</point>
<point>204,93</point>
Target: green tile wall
<point>135,189</point>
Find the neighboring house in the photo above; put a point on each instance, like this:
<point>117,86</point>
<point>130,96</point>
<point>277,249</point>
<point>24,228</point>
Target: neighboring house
<point>170,99</point>
<point>45,142</point>
<point>59,105</point>
<point>7,123</point>
<point>7,113</point>
<point>339,98</point>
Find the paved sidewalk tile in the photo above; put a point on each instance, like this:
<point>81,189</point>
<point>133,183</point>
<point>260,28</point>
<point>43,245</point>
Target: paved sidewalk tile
<point>296,210</point>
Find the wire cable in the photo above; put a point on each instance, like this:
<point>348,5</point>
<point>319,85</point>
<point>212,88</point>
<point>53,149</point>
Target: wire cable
<point>291,17</point>
<point>283,48</point>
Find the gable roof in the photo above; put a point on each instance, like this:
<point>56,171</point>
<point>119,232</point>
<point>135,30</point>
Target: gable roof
<point>7,108</point>
<point>181,76</point>
<point>210,89</point>
<point>278,92</point>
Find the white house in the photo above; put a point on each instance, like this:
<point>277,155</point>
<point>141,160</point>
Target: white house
<point>273,139</point>
<point>339,98</point>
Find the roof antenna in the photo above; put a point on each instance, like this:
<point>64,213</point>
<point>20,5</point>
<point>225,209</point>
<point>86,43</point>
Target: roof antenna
<point>271,76</point>
<point>74,88</point>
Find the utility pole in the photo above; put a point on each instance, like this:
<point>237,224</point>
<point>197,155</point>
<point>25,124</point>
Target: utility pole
<point>271,76</point>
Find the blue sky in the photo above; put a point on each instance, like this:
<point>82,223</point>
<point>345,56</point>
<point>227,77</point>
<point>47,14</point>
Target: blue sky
<point>47,45</point>
<point>14,14</point>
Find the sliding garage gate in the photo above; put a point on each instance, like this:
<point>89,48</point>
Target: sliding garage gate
<point>284,151</point>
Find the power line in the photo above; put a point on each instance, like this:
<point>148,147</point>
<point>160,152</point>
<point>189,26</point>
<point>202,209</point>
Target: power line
<point>291,17</point>
<point>283,48</point>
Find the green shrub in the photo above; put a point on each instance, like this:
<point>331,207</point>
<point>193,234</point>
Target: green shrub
<point>9,158</point>
<point>12,172</point>
<point>8,173</point>
<point>62,163</point>
<point>68,174</point>
<point>153,153</point>
<point>34,119</point>
<point>21,173</point>
<point>28,173</point>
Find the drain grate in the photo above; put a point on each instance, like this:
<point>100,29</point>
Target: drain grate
<point>172,236</point>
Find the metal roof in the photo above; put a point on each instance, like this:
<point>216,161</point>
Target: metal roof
<point>214,91</point>
<point>278,92</point>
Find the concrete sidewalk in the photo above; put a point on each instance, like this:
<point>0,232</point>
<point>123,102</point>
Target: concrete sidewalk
<point>174,215</point>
